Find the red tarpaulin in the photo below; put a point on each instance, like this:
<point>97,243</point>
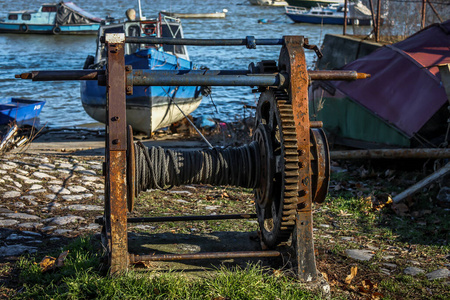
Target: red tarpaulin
<point>405,88</point>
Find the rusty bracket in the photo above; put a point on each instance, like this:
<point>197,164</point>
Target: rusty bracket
<point>129,81</point>
<point>316,49</point>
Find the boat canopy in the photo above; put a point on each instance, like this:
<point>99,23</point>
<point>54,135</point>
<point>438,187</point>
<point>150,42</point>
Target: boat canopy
<point>405,89</point>
<point>68,14</point>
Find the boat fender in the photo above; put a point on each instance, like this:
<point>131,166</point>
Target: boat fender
<point>24,28</point>
<point>88,62</point>
<point>56,30</point>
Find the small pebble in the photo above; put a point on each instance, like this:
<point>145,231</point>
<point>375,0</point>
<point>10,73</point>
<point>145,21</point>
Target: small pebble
<point>11,194</point>
<point>438,274</point>
<point>413,271</point>
<point>42,175</point>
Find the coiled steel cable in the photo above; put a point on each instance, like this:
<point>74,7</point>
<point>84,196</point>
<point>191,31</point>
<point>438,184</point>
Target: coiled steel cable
<point>158,168</point>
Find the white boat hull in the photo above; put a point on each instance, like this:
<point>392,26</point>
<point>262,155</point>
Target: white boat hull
<point>144,118</point>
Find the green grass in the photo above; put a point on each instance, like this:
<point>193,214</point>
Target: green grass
<point>415,286</point>
<point>82,278</point>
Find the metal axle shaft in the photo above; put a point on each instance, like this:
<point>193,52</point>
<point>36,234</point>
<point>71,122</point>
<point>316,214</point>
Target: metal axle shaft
<point>192,77</point>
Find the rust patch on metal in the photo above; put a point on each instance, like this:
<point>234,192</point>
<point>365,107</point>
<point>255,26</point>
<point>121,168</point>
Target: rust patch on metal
<point>205,255</point>
<point>320,165</point>
<point>292,60</point>
<point>116,158</point>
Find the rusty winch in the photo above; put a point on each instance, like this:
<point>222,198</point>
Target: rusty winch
<point>287,163</point>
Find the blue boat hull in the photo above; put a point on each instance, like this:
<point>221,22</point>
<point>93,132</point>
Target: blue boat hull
<point>19,110</point>
<point>150,107</point>
<point>300,18</point>
<point>50,28</point>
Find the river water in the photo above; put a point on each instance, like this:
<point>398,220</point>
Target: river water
<point>22,53</point>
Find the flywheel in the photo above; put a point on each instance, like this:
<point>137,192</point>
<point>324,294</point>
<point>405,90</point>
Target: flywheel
<point>276,198</point>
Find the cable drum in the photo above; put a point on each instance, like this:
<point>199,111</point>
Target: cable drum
<point>159,168</point>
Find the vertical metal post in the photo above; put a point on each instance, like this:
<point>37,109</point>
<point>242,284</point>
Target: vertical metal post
<point>115,156</point>
<point>345,16</point>
<point>377,38</point>
<point>435,11</point>
<point>292,58</point>
<point>374,23</point>
<point>424,13</point>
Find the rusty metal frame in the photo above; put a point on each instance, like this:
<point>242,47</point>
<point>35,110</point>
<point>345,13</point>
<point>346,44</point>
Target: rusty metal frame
<point>120,166</point>
<point>115,227</point>
<point>292,60</point>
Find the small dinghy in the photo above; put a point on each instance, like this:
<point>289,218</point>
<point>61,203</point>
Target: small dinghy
<point>19,110</point>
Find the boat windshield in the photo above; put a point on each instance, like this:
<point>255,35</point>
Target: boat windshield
<point>166,27</point>
<point>173,29</point>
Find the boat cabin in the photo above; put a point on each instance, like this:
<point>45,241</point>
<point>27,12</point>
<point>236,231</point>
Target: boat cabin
<point>63,13</point>
<point>165,27</point>
<point>45,15</point>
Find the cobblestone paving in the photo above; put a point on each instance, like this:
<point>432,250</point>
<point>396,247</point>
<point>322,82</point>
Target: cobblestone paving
<point>45,199</point>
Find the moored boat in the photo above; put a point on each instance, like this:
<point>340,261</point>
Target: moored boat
<point>214,15</point>
<point>312,3</point>
<point>154,107</point>
<point>268,2</point>
<point>51,18</point>
<point>333,14</point>
<point>19,110</point>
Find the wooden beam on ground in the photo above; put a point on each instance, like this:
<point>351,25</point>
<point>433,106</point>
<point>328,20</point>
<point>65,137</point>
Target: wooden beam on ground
<point>423,183</point>
<point>423,153</point>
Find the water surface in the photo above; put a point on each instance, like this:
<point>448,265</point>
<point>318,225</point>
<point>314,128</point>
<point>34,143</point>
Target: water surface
<point>22,53</point>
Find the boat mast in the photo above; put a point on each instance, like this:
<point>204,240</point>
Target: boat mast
<point>140,10</point>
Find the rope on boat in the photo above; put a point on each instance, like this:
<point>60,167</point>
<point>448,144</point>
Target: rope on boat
<point>158,168</point>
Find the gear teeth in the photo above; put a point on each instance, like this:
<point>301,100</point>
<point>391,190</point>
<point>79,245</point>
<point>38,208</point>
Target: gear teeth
<point>284,221</point>
<point>291,166</point>
<point>290,158</point>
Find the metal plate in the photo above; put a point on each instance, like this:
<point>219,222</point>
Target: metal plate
<point>131,170</point>
<point>320,165</point>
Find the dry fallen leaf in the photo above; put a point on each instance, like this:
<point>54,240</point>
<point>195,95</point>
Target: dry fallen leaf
<point>369,284</point>
<point>382,201</point>
<point>389,201</point>
<point>277,273</point>
<point>352,274</point>
<point>145,264</point>
<point>400,209</point>
<point>376,296</point>
<point>47,263</point>
<point>61,259</point>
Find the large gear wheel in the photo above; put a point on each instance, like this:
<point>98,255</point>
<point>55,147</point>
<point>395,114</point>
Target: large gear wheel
<point>276,210</point>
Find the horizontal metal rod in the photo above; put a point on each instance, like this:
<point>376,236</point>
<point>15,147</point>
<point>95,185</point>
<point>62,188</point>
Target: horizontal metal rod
<point>205,255</point>
<point>61,75</point>
<point>190,218</point>
<point>152,78</point>
<point>203,42</point>
<point>336,75</point>
<point>391,153</point>
<point>316,124</point>
<point>141,77</point>
<point>313,75</point>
